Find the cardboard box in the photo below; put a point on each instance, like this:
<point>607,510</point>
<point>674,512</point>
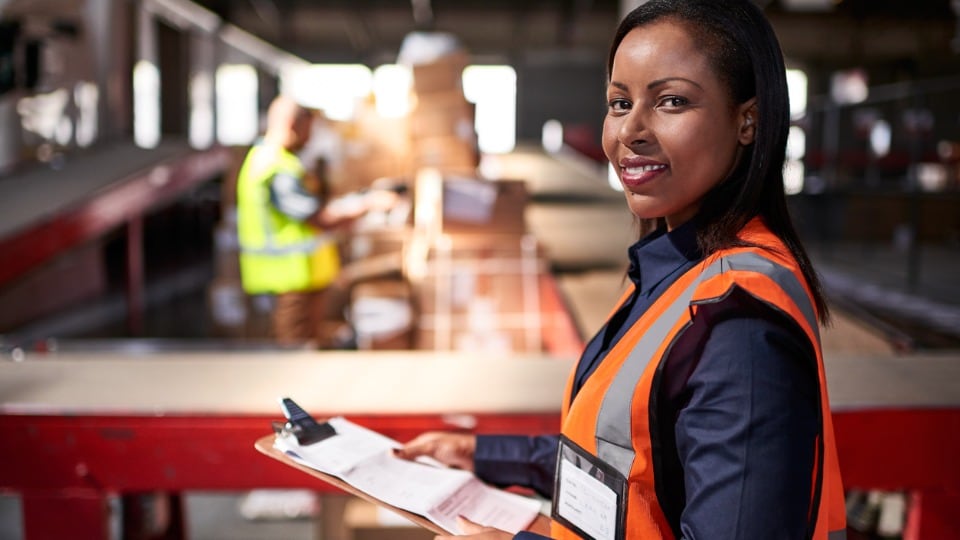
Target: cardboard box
<point>382,315</point>
<point>369,147</point>
<point>372,267</point>
<point>484,206</point>
<point>358,171</point>
<point>481,292</point>
<point>375,242</point>
<point>448,154</point>
<point>442,75</point>
<point>443,114</point>
<point>386,135</point>
<point>467,204</point>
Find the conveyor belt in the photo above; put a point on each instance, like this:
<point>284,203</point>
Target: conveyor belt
<point>45,211</point>
<point>79,426</point>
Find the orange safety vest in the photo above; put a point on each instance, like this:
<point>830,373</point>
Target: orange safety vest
<point>609,419</point>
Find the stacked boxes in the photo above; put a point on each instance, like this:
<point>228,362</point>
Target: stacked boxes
<point>441,123</point>
<point>476,271</point>
<point>463,274</point>
<point>382,315</point>
<point>371,146</point>
<point>480,292</point>
<point>381,309</point>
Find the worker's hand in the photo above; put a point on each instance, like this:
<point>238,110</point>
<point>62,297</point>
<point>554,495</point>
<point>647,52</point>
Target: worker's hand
<point>477,532</point>
<point>380,200</point>
<point>452,449</point>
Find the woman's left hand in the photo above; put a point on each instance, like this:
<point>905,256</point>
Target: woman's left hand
<point>477,532</point>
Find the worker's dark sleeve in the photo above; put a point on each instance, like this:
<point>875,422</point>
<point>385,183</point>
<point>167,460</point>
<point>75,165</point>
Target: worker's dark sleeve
<point>289,196</point>
<point>746,437</point>
<point>517,460</point>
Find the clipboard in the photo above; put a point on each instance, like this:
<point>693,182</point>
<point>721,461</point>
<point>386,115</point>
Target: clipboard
<point>491,505</point>
<point>265,446</point>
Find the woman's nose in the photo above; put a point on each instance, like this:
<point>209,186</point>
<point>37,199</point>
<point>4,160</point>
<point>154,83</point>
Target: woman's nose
<point>633,130</point>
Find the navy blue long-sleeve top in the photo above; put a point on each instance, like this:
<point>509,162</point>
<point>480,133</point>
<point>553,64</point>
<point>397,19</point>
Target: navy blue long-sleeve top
<point>737,419</point>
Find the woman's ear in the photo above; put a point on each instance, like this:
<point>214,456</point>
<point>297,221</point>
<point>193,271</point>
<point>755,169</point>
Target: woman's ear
<point>749,116</point>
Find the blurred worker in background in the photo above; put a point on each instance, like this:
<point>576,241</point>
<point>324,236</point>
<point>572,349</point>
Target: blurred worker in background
<point>285,225</point>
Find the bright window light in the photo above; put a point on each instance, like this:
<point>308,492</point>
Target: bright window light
<point>391,89</point>
<point>201,110</point>
<point>332,88</point>
<point>931,176</point>
<point>797,90</point>
<point>64,133</point>
<point>796,143</point>
<point>849,87</point>
<point>86,95</point>
<point>880,136</point>
<point>793,172</point>
<point>146,104</point>
<point>41,113</point>
<point>494,91</point>
<point>552,136</point>
<point>237,109</point>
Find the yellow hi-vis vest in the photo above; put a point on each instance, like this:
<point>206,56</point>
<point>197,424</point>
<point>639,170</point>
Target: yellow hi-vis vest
<point>278,253</point>
<point>609,418</point>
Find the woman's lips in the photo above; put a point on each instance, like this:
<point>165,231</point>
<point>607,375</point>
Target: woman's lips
<point>636,174</point>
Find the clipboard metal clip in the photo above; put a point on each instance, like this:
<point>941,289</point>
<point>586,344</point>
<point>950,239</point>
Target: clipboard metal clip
<point>301,425</point>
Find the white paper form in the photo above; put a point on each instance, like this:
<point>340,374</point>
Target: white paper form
<point>364,459</point>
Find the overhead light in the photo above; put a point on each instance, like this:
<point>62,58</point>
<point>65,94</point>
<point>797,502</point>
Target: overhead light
<point>849,86</point>
<point>810,5</point>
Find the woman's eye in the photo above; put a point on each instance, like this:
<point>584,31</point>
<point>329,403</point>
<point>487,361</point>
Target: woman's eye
<point>618,105</point>
<point>673,101</point>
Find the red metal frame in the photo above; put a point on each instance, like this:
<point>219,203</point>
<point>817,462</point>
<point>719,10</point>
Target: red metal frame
<point>913,450</point>
<point>175,453</point>
<point>68,465</point>
<point>894,449</point>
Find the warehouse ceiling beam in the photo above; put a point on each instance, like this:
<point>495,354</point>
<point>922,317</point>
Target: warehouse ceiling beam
<point>186,15</point>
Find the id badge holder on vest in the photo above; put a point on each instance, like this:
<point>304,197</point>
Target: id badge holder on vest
<point>589,496</point>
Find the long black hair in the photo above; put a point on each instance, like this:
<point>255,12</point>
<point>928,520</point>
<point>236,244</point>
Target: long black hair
<point>745,53</point>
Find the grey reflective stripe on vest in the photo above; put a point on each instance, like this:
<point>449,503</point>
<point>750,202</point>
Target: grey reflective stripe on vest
<point>613,437</point>
<point>839,534</point>
<point>271,248</point>
<point>783,277</point>
<point>308,246</point>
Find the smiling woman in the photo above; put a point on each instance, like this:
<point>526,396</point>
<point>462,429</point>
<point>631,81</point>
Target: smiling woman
<point>672,131</point>
<point>699,410</point>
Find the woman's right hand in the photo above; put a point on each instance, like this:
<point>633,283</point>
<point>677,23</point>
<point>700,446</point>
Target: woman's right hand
<point>451,449</point>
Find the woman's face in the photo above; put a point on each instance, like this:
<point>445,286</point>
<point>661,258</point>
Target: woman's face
<point>671,130</point>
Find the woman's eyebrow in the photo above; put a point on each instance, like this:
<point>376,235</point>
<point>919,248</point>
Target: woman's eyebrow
<point>665,80</point>
<point>619,85</point>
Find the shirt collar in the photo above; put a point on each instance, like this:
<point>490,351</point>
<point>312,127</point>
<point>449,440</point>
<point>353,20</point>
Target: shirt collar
<point>659,254</point>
